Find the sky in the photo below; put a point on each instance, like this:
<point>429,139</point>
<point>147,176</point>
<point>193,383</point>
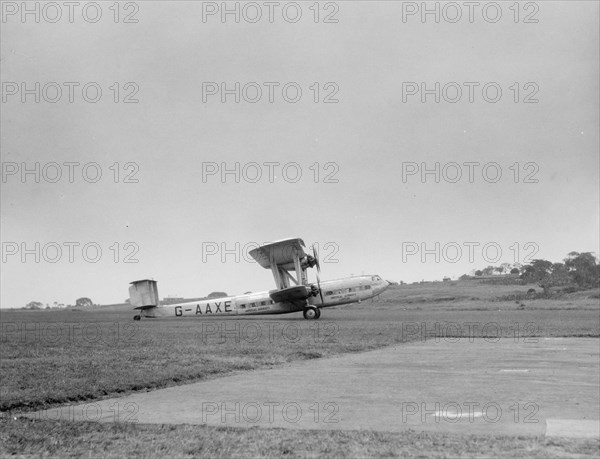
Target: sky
<point>341,161</point>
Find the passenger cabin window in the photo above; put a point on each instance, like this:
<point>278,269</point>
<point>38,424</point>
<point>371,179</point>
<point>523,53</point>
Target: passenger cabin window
<point>328,293</point>
<point>367,287</point>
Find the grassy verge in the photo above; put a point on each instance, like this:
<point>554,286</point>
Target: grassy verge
<point>85,439</point>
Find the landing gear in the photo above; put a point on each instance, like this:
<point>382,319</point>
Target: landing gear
<point>137,317</point>
<point>311,313</point>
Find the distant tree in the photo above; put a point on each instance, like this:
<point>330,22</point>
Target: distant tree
<point>546,274</point>
<point>464,277</point>
<point>514,271</point>
<point>83,302</point>
<point>527,273</point>
<point>559,275</point>
<point>34,305</point>
<point>499,269</point>
<point>583,269</point>
<point>537,271</point>
<point>488,271</point>
<point>479,272</point>
<point>505,267</point>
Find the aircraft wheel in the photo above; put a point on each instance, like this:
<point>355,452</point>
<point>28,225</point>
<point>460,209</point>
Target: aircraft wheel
<point>311,313</point>
<point>137,317</point>
<point>318,314</point>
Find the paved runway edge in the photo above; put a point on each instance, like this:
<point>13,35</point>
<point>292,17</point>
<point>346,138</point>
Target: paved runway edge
<point>572,428</point>
<point>473,386</point>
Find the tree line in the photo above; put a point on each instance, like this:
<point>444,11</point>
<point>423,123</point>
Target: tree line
<point>581,269</point>
<point>83,302</point>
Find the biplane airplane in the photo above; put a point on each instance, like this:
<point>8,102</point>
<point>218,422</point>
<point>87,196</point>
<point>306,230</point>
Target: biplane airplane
<point>289,264</point>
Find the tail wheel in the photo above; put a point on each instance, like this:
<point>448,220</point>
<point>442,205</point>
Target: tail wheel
<point>137,317</point>
<point>311,313</point>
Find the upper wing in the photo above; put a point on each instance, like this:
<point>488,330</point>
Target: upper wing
<point>279,253</point>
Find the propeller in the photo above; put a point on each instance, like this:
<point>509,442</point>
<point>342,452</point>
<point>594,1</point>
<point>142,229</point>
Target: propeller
<point>315,254</point>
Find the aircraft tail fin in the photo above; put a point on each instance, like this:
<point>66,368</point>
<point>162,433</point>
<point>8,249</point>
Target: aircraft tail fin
<point>143,294</point>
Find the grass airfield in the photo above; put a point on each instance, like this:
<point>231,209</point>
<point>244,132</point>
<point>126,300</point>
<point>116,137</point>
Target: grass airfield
<point>56,358</point>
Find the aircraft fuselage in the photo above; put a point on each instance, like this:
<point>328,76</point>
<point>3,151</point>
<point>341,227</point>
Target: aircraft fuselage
<point>335,292</point>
